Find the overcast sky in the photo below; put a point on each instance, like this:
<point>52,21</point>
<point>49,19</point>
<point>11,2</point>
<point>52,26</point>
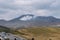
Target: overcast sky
<point>10,9</point>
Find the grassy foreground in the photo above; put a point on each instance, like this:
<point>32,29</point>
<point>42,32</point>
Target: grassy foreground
<point>42,33</point>
<point>39,33</point>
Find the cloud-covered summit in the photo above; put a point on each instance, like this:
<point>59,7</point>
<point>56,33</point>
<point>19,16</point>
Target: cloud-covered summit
<point>10,9</point>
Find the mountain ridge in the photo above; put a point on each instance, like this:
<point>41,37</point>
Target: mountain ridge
<point>34,21</point>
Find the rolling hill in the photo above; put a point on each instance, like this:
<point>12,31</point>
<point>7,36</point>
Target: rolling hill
<point>40,33</point>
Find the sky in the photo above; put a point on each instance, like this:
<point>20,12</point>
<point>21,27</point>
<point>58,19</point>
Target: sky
<point>10,9</point>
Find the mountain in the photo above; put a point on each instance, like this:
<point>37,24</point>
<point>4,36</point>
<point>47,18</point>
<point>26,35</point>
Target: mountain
<point>30,20</point>
<point>20,18</point>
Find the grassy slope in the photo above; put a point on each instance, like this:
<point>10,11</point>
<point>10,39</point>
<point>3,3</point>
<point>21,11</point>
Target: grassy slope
<point>42,33</point>
<point>4,29</point>
<point>7,30</point>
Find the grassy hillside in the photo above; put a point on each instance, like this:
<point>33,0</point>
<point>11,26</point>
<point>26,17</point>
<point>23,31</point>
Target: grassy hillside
<point>4,29</point>
<point>42,33</point>
<point>39,33</point>
<point>7,30</point>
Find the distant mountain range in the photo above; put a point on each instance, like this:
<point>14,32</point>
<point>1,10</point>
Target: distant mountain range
<point>30,20</point>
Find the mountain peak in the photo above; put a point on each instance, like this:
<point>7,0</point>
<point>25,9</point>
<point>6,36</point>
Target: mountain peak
<point>23,17</point>
<point>26,17</point>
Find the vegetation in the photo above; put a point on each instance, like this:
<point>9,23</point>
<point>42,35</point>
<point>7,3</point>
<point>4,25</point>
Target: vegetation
<point>41,33</point>
<point>4,29</point>
<point>7,39</point>
<point>38,33</point>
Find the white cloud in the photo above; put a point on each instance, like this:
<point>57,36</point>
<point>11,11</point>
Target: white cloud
<point>22,2</point>
<point>55,5</point>
<point>10,14</point>
<point>26,18</point>
<point>43,12</point>
<point>15,8</point>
